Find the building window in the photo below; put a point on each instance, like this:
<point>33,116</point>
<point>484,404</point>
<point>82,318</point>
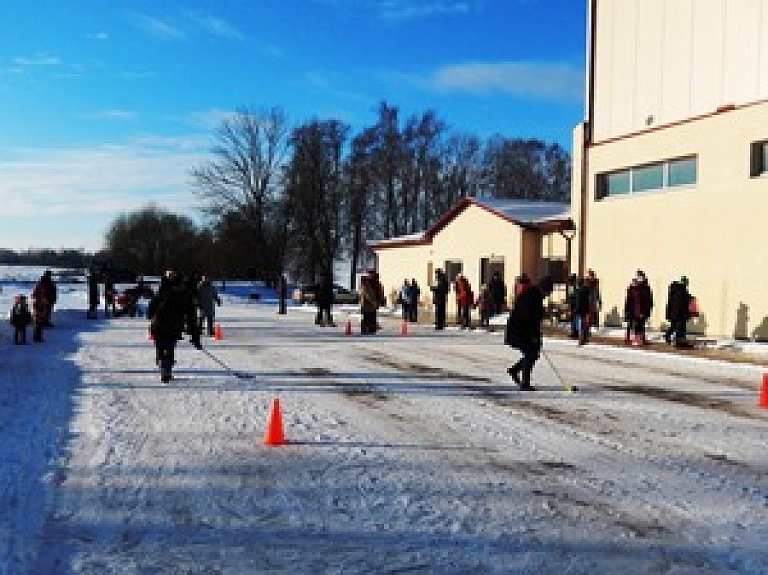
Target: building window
<point>648,177</point>
<point>759,164</point>
<point>681,172</point>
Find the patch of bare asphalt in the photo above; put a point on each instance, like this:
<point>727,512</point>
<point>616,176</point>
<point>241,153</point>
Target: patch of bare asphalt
<point>426,371</point>
<point>687,398</point>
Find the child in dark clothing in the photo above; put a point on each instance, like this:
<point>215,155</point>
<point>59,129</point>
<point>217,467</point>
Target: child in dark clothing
<point>21,317</point>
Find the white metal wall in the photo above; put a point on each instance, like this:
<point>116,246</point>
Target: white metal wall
<point>661,61</point>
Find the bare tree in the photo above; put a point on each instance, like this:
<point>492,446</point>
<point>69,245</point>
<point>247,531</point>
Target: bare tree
<point>245,175</point>
<point>314,196</point>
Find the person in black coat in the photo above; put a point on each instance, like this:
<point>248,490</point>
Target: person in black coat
<point>324,302</point>
<point>584,309</point>
<point>51,294</point>
<point>498,292</point>
<point>642,304</point>
<point>93,294</point>
<point>678,312</point>
<point>440,297</point>
<point>523,330</point>
<point>167,313</point>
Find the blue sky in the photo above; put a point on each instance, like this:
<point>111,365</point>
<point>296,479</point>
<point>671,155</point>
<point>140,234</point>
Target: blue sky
<point>106,105</point>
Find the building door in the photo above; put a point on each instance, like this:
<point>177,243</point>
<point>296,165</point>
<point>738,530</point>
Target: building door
<point>489,266</point>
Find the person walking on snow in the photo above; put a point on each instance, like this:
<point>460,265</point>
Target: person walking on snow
<point>523,331</point>
<point>20,317</point>
<point>678,312</point>
<point>207,300</point>
<point>167,316</point>
<point>642,304</point>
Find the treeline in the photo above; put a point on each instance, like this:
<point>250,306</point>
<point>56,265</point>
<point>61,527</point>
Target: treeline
<point>282,199</point>
<point>72,259</point>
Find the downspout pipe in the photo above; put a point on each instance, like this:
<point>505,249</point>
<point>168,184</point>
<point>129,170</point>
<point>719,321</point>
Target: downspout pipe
<point>587,134</point>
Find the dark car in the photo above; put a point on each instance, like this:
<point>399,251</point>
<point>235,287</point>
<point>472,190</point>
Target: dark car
<point>341,295</point>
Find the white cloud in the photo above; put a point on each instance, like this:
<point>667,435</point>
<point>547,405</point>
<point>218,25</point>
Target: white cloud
<point>401,10</point>
<point>104,179</point>
<point>413,9</point>
<point>217,26</point>
<point>209,120</point>
<point>36,60</point>
<point>158,28</point>
<point>529,79</point>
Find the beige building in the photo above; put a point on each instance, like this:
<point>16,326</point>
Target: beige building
<point>671,163</point>
<point>476,238</point>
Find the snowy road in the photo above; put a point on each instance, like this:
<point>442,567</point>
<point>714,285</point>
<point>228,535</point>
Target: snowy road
<point>407,454</point>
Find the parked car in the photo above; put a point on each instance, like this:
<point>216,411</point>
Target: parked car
<point>341,295</point>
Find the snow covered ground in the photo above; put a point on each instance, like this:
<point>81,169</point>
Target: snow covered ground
<point>406,454</point>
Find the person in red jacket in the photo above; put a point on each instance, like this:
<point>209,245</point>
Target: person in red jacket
<point>464,301</point>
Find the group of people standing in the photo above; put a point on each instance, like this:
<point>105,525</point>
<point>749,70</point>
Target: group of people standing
<point>180,306</point>
<point>584,303</point>
<point>490,301</point>
<point>638,304</point>
<point>408,298</point>
<point>40,315</point>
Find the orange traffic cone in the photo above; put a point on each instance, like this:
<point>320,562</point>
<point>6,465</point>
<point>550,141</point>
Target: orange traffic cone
<point>348,331</point>
<point>217,335</point>
<point>274,435</point>
<point>404,328</point>
<point>763,401</point>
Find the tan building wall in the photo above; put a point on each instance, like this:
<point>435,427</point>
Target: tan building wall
<point>713,232</point>
<point>660,61</point>
<point>475,233</point>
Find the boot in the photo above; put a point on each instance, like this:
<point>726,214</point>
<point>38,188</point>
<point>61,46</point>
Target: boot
<point>514,373</point>
<point>526,382</point>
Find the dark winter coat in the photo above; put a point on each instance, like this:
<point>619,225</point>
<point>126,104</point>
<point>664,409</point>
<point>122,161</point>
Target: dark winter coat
<point>440,290</point>
<point>678,301</point>
<point>414,293</point>
<point>524,322</point>
<point>497,289</point>
<point>324,295</point>
<point>207,298</point>
<point>93,291</point>
<point>167,312</point>
<point>21,317</point>
<point>639,301</point>
<point>51,293</point>
<point>584,300</point>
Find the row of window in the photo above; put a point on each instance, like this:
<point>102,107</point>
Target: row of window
<point>668,174</point>
<point>657,176</point>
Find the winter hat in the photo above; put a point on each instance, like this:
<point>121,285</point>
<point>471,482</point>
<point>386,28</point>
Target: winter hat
<point>546,284</point>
